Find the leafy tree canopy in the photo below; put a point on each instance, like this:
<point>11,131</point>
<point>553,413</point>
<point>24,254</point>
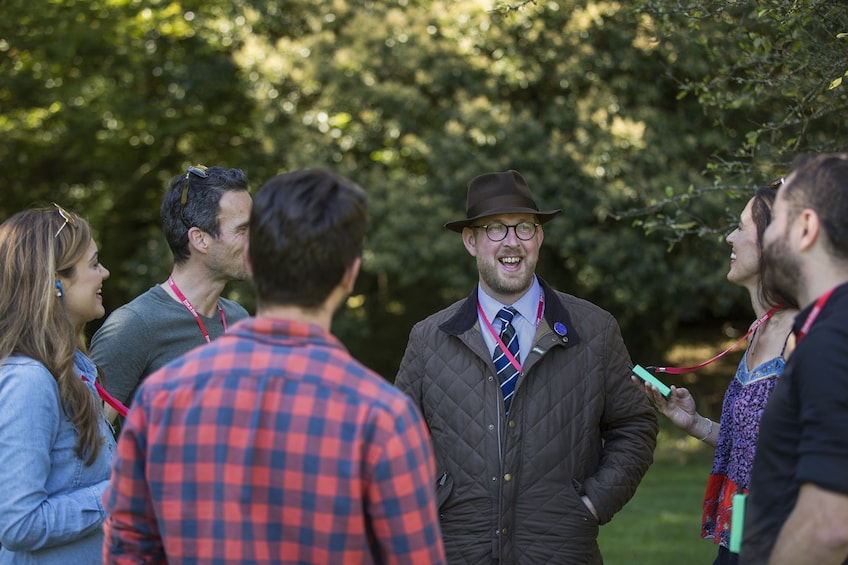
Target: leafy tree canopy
<point>644,124</point>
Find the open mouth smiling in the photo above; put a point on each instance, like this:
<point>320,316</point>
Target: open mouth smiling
<point>510,262</point>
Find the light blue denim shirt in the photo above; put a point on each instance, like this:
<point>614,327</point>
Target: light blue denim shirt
<point>50,507</point>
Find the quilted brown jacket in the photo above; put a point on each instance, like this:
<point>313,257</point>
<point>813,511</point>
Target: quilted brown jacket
<point>509,488</point>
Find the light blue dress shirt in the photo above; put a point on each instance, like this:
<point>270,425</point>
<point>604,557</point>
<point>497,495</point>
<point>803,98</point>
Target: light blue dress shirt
<point>524,322</point>
<point>50,507</point>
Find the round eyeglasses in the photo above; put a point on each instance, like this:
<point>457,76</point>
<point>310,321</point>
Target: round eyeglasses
<point>497,231</point>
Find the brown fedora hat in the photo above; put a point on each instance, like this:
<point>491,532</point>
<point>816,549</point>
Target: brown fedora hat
<point>499,193</point>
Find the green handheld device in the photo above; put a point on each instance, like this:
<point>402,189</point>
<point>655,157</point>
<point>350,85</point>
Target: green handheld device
<point>646,376</point>
<point>737,520</point>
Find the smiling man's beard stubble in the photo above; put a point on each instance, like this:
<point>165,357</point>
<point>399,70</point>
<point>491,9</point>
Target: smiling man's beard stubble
<point>781,270</point>
<point>500,283</point>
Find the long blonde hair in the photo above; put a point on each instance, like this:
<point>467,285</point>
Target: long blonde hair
<point>35,247</point>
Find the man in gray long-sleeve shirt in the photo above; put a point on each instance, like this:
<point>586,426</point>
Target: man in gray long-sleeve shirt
<point>205,214</point>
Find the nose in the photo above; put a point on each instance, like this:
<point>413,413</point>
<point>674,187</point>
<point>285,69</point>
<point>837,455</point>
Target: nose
<point>106,272</point>
<point>729,238</point>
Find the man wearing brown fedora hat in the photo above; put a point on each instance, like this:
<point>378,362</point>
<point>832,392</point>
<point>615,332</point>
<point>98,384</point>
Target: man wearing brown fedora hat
<point>538,432</point>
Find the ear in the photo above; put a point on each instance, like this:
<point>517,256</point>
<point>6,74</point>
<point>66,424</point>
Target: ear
<point>469,239</point>
<point>350,275</point>
<point>809,228</point>
<point>197,239</point>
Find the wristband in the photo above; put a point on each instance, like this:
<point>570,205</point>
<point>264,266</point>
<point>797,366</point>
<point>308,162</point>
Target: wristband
<point>709,431</point>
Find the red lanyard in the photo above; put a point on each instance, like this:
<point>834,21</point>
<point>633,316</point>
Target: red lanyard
<point>108,398</point>
<point>497,337</point>
<point>191,309</point>
<point>681,370</point>
<point>814,313</point>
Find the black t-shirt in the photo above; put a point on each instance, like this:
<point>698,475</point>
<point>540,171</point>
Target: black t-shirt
<point>804,429</point>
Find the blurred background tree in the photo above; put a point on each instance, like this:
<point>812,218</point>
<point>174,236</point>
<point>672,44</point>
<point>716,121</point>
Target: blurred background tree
<point>648,124</point>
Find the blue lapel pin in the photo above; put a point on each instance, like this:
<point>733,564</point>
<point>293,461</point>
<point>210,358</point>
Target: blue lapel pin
<point>561,330</point>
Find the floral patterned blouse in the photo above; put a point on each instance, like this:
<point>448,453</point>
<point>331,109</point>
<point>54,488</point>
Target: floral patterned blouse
<point>741,411</point>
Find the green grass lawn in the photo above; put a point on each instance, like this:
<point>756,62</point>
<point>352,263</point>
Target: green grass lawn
<point>661,524</point>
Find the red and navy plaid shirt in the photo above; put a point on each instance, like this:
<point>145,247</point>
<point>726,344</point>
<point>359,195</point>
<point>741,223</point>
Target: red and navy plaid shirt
<point>272,445</point>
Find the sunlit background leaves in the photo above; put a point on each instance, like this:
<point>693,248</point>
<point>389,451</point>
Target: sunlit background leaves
<point>648,123</point>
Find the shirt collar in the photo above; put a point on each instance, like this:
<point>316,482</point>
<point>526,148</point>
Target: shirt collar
<point>527,305</point>
<point>84,365</point>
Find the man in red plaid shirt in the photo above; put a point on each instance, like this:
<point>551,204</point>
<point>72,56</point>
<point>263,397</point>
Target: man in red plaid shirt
<point>272,444</point>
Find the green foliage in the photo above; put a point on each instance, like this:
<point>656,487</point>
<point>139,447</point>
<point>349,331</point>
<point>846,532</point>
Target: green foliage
<point>103,102</point>
<point>773,81</point>
<point>647,127</point>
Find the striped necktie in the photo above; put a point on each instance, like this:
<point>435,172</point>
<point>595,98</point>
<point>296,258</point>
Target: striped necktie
<point>507,373</point>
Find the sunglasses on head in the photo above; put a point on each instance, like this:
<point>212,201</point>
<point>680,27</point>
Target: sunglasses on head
<point>775,184</point>
<point>67,216</point>
<point>198,171</point>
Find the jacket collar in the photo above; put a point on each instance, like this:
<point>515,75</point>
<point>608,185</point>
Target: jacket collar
<point>555,312</point>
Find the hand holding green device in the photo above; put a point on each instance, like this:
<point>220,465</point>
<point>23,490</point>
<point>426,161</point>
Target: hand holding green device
<point>646,376</point>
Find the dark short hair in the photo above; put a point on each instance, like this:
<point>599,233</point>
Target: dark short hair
<point>306,228</point>
<point>820,182</point>
<point>761,213</point>
<point>202,207</point>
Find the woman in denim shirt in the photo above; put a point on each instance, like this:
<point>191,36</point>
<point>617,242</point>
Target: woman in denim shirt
<point>55,444</point>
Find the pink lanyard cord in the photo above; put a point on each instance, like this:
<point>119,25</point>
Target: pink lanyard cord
<point>108,398</point>
<point>497,337</point>
<point>681,370</point>
<point>814,313</point>
<point>191,309</point>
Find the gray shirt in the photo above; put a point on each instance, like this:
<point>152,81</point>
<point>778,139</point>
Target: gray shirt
<point>149,332</point>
